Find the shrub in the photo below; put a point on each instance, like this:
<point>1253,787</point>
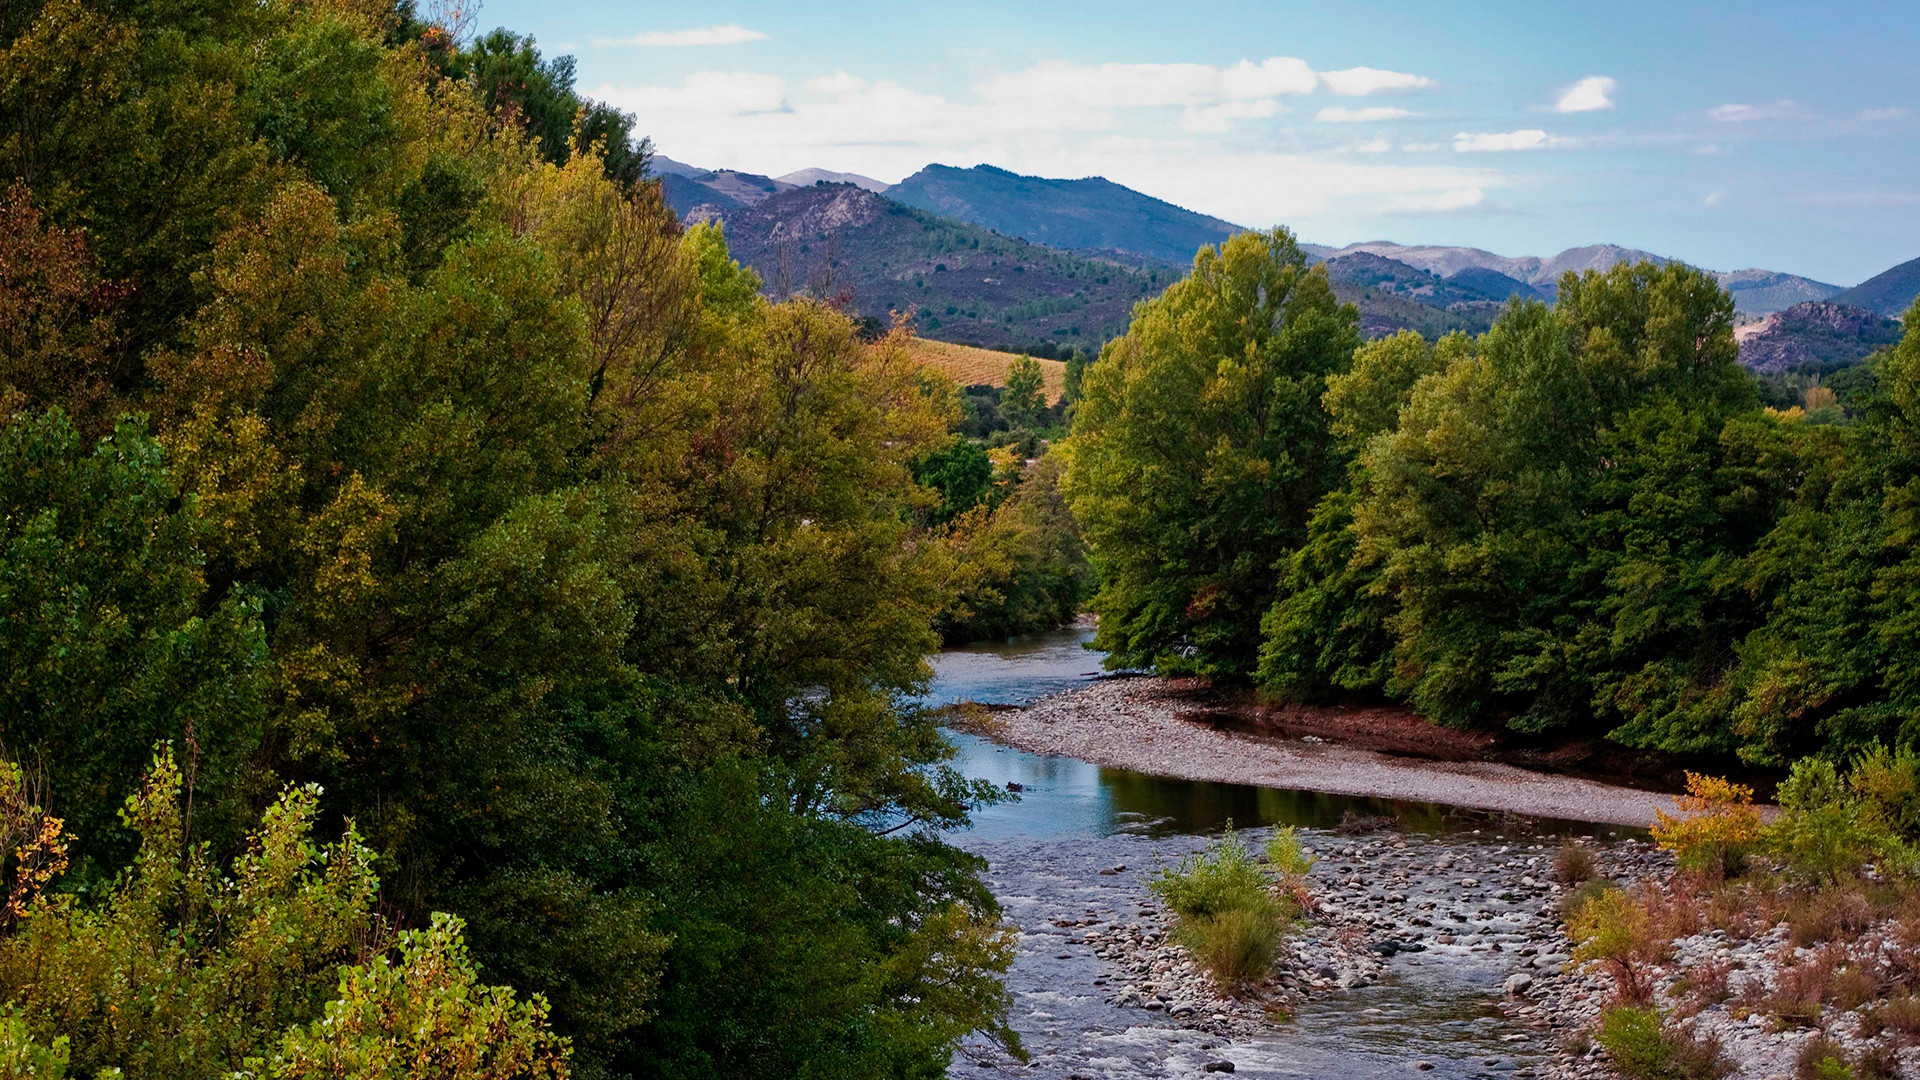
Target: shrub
<point>1617,931</point>
<point>1642,1048</point>
<point>1237,946</point>
<point>1899,1014</point>
<point>1288,857</point>
<point>1827,914</point>
<point>1573,900</point>
<point>1720,829</point>
<point>1888,784</point>
<point>1224,877</point>
<point>1574,863</point>
<point>1706,983</point>
<point>1821,1058</point>
<point>1824,831</point>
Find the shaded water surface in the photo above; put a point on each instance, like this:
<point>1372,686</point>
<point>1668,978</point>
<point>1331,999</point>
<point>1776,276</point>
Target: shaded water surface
<point>1073,820</point>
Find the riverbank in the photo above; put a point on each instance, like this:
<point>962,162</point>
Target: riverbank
<point>1146,724</point>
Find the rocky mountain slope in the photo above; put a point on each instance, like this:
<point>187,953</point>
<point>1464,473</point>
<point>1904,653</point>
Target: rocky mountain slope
<point>1091,214</point>
<point>1889,293</point>
<point>963,283</point>
<point>1824,334</point>
<point>809,177</point>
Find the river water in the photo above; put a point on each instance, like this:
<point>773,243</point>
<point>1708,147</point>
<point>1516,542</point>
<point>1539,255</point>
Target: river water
<point>1045,854</point>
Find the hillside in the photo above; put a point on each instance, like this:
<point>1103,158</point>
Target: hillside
<point>970,366</point>
<point>686,187</point>
<point>1763,292</point>
<point>1889,293</point>
<point>1828,335</point>
<point>963,283</point>
<point>1092,214</point>
<point>810,177</point>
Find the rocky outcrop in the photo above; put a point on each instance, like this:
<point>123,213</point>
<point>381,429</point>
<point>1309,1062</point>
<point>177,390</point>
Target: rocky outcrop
<point>1825,334</point>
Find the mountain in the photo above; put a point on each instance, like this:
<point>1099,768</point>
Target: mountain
<point>1092,214</point>
<point>1890,293</point>
<point>1825,334</point>
<point>964,283</point>
<point>1763,292</point>
<point>686,187</point>
<point>1541,275</point>
<point>810,177</point>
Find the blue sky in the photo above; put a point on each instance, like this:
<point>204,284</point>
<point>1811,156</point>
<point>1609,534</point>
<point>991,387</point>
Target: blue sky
<point>1730,135</point>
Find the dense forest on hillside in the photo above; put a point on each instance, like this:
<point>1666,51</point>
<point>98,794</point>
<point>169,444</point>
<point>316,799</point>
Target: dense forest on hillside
<point>1584,521</point>
<point>444,597</point>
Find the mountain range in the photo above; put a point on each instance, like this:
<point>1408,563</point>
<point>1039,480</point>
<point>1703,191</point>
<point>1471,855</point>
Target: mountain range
<point>985,256</point>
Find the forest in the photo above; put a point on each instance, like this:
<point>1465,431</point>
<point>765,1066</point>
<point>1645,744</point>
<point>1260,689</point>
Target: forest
<point>1588,521</point>
<point>455,625</point>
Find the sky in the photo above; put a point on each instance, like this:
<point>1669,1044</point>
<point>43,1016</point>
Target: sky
<point>1727,134</point>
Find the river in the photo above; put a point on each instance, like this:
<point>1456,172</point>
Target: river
<point>1046,854</point>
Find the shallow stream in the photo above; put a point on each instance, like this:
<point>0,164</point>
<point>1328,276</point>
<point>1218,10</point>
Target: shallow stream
<point>1073,820</point>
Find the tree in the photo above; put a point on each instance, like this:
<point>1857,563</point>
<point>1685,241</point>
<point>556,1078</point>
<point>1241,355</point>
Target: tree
<point>1199,450</point>
<point>1025,396</point>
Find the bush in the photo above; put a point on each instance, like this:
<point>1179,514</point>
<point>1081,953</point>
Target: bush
<point>1229,919</point>
<point>1224,877</point>
<point>1643,1048</point>
<point>1827,914</point>
<point>1574,863</point>
<point>1288,857</point>
<point>1237,946</point>
<point>1822,1059</point>
<point>1824,831</point>
<point>1900,1015</point>
<point>1720,829</point>
<point>1617,931</point>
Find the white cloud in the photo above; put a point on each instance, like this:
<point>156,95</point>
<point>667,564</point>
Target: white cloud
<point>1591,93</point>
<point>1422,147</point>
<point>1218,118</point>
<point>722,93</point>
<point>1747,114</point>
<point>1060,84</point>
<point>1371,146</point>
<point>1467,142</point>
<point>1340,114</point>
<point>706,35</point>
<point>1436,203</point>
<point>1876,115</point>
<point>1714,198</point>
<point>1361,81</point>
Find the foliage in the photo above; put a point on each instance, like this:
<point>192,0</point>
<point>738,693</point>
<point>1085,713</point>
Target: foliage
<point>1025,564</point>
<point>1288,857</point>
<point>1640,1046</point>
<point>1574,864</point>
<point>423,1014</point>
<point>1187,520</point>
<point>1616,930</point>
<point>1825,831</point>
<point>1238,945</point>
<point>1025,397</point>
<point>1721,826</point>
<point>179,971</point>
<point>1230,920</point>
<point>368,421</point>
<point>1223,877</point>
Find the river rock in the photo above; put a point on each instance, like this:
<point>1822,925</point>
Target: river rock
<point>1517,984</point>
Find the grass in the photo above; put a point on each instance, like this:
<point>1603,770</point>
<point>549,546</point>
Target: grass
<point>1230,920</point>
<point>969,366</point>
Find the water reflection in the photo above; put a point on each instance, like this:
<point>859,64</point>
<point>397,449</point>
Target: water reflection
<point>1062,797</point>
<point>1069,797</point>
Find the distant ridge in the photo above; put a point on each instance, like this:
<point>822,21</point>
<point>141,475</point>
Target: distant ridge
<point>1092,214</point>
<point>1889,293</point>
<point>810,177</point>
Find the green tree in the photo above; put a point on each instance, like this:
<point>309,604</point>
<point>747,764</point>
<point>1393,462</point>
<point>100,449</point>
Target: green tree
<point>1025,397</point>
<point>1200,449</point>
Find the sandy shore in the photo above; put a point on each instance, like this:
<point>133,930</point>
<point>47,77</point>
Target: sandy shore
<point>1132,724</point>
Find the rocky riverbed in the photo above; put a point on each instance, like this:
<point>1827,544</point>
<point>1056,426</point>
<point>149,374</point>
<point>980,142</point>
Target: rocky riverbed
<point>1421,960</point>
